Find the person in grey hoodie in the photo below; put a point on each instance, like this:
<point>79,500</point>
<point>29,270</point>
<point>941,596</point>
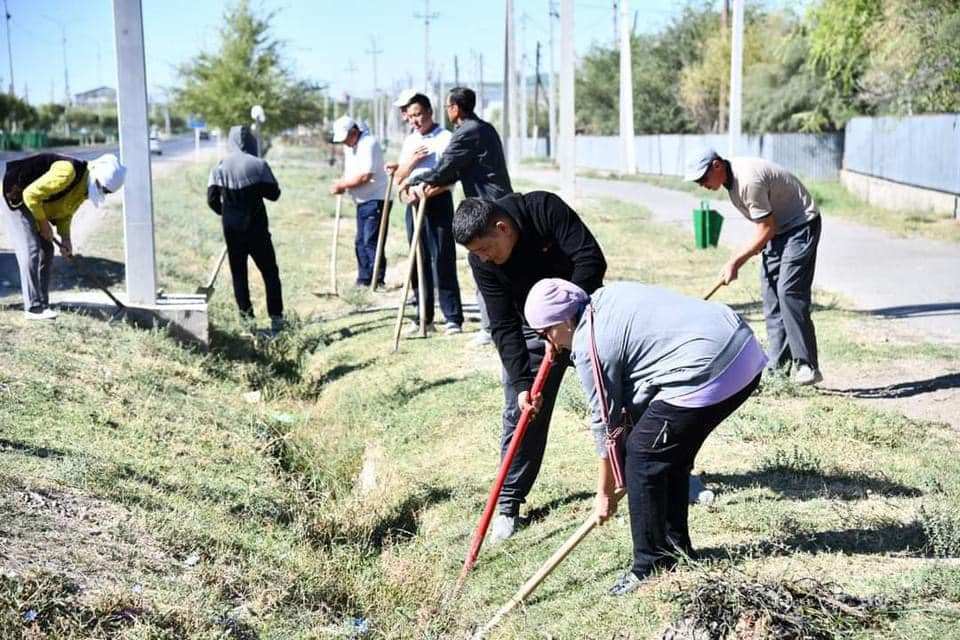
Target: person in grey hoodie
<point>678,366</point>
<point>237,187</point>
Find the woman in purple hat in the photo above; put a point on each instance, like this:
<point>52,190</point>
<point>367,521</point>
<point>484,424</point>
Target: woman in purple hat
<point>678,366</point>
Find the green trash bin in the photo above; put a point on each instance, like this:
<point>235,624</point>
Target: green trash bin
<point>707,223</point>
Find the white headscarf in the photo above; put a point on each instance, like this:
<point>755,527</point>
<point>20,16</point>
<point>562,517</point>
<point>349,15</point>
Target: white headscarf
<point>108,171</point>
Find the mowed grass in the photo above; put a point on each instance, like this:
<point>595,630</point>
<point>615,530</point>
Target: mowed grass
<point>342,501</point>
<point>833,200</point>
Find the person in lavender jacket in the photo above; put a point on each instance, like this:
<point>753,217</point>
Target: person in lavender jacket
<point>679,366</point>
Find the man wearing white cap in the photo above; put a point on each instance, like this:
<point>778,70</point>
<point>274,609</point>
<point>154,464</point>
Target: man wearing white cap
<point>41,192</point>
<point>787,232</point>
<point>365,180</point>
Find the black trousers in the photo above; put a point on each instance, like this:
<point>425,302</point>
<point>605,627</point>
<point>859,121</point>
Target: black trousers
<point>660,453</point>
<point>786,278</point>
<point>439,257</point>
<point>526,464</point>
<point>255,243</point>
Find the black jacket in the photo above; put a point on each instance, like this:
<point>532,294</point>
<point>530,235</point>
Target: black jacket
<point>474,156</point>
<point>553,243</point>
<point>240,182</point>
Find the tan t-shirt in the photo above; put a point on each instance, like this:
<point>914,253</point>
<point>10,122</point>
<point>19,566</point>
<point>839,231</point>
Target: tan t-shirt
<point>761,188</point>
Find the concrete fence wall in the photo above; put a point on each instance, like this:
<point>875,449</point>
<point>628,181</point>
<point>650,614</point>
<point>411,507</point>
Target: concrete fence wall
<point>921,151</point>
<point>810,155</point>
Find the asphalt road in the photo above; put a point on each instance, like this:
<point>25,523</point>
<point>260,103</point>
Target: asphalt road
<point>171,147</point>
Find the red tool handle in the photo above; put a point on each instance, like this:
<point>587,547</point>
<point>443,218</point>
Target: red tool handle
<point>515,441</point>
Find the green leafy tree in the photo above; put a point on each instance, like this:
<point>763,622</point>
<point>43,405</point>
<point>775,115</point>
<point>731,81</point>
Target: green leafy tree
<point>658,60</point>
<point>15,113</point>
<point>914,61</point>
<point>839,53</point>
<point>247,69</point>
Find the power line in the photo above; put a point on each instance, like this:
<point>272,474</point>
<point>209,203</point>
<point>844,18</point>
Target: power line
<point>6,13</point>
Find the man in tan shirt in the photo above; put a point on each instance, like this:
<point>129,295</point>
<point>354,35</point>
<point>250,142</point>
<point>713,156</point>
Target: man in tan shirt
<point>787,232</point>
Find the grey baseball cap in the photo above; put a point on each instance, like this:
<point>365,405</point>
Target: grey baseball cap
<point>701,162</point>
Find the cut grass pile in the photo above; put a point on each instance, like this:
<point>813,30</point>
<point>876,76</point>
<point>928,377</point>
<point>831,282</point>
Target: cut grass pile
<point>342,500</point>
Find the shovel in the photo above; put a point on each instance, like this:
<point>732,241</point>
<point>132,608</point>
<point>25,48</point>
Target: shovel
<point>98,283</point>
<point>716,288</point>
<point>208,290</point>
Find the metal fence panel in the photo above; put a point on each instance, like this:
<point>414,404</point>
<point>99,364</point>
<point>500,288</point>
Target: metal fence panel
<point>922,151</point>
<point>817,156</point>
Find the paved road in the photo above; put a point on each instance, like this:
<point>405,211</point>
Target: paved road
<point>915,283</point>
<point>88,217</point>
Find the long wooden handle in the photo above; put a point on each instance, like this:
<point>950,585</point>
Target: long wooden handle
<point>382,236</point>
<point>333,249</point>
<point>421,288</point>
<point>411,261</point>
<point>545,570</point>
<point>716,288</point>
<point>216,271</point>
<point>91,276</point>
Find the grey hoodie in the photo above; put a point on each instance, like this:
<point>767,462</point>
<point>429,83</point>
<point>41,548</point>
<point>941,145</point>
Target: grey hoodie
<point>654,344</point>
<point>240,182</point>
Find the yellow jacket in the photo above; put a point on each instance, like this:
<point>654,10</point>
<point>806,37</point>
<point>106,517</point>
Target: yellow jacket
<point>59,212</point>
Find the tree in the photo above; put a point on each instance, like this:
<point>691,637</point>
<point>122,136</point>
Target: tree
<point>839,51</point>
<point>15,113</point>
<point>657,63</point>
<point>914,63</point>
<point>248,69</point>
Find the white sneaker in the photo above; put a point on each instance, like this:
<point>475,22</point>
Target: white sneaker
<point>44,314</point>
<point>452,329</point>
<point>807,375</point>
<point>481,339</point>
<point>503,527</point>
<point>413,329</point>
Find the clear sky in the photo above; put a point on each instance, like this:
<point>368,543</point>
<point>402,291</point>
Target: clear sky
<point>322,38</point>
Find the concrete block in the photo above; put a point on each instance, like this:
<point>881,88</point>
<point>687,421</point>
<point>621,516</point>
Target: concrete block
<point>895,196</point>
<point>185,316</point>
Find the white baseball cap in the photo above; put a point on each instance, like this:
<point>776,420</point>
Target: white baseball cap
<point>342,127</point>
<point>404,98</point>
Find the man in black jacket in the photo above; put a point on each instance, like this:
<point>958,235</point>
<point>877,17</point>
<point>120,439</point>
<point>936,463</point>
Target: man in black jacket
<point>475,157</point>
<point>514,242</point>
<point>237,187</point>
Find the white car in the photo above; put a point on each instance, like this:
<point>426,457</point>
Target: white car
<point>155,145</point>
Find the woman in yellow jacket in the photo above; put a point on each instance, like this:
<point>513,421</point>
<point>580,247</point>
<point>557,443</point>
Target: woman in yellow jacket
<point>41,192</point>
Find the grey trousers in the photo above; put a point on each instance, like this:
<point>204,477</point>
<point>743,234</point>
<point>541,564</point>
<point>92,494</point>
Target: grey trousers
<point>786,278</point>
<point>34,256</point>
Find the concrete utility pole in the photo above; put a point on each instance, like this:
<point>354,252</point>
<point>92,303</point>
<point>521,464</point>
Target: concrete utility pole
<point>6,12</point>
<point>511,121</point>
<point>456,71</point>
<point>616,27</point>
<point>736,78</point>
<point>427,17</point>
<point>522,85</point>
<point>480,101</point>
<point>552,100</point>
<point>536,99</point>
<point>137,192</point>
<point>722,106</point>
<point>375,103</point>
<point>629,165</point>
<point>566,139</point>
<point>351,69</point>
